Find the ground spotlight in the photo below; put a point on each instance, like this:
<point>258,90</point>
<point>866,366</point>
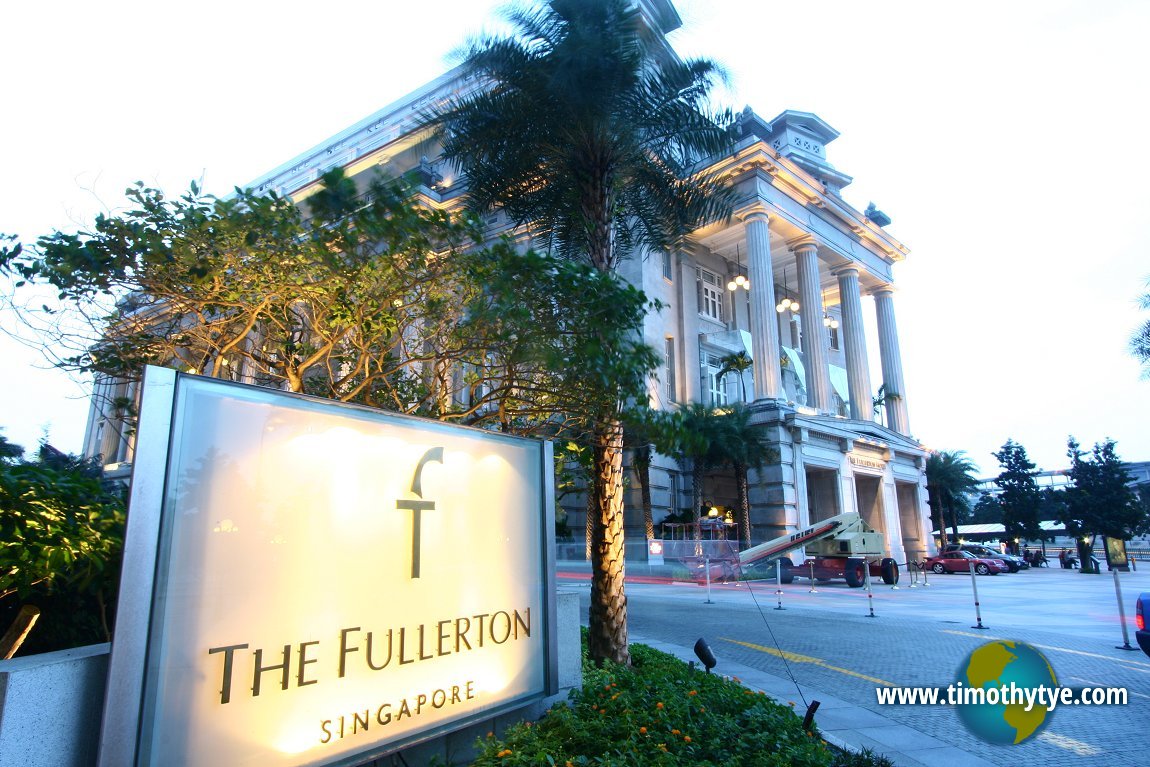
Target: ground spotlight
<point>706,657</point>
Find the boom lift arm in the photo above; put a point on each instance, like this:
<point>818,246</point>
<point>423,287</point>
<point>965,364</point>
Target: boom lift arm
<point>843,535</point>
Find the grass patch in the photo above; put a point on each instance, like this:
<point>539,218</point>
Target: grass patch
<point>662,712</point>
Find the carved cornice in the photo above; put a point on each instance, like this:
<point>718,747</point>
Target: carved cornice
<point>803,242</point>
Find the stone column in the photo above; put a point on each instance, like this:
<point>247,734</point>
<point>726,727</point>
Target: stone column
<point>854,340</point>
<point>764,325</point>
<point>113,418</point>
<point>95,416</point>
<point>893,384</point>
<point>814,333</point>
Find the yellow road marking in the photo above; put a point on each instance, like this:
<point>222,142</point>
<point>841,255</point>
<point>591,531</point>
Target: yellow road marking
<point>796,658</point>
<point>1048,647</point>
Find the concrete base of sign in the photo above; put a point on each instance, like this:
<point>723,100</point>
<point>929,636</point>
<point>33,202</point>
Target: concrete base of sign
<point>50,707</point>
<point>51,704</point>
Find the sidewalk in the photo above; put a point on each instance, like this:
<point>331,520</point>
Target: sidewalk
<point>841,723</point>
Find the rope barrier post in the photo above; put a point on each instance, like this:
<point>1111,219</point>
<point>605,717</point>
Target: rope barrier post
<point>977,608</point>
<point>813,590</point>
<point>1121,614</point>
<point>925,582</point>
<point>869,591</point>
<point>779,583</point>
<point>707,571</point>
<point>912,571</point>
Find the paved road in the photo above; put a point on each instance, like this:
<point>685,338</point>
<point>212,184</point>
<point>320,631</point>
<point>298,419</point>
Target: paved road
<point>827,642</point>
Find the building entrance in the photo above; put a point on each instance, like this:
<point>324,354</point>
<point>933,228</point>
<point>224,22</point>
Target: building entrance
<point>822,494</point>
<point>868,498</point>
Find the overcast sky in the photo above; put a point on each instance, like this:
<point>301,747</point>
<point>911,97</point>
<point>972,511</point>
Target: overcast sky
<point>1004,139</point>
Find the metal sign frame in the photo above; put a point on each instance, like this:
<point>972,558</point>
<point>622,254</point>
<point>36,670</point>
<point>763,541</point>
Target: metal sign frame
<point>144,560</point>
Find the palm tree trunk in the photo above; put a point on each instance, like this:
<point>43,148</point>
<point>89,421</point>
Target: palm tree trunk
<point>607,638</point>
<point>953,521</point>
<point>744,503</point>
<point>698,469</point>
<point>642,463</point>
<point>591,511</point>
<point>937,518</point>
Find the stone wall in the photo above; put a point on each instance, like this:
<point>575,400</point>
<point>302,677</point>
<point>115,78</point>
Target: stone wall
<point>51,704</point>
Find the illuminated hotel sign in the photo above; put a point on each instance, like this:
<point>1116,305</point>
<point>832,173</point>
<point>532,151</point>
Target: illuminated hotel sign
<point>314,583</point>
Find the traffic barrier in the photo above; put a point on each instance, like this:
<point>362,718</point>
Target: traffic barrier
<point>707,570</point>
<point>1121,614</point>
<point>779,583</point>
<point>977,607</point>
<point>869,592</point>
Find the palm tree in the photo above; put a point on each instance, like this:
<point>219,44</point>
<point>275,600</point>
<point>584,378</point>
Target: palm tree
<point>640,432</point>
<point>584,128</point>
<point>699,445</point>
<point>741,445</point>
<point>1140,342</point>
<point>950,478</point>
<point>737,363</point>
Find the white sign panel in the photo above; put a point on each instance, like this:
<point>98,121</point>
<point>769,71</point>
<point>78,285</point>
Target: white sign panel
<point>333,581</point>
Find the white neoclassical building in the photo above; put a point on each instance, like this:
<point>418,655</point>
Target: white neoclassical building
<point>815,266</point>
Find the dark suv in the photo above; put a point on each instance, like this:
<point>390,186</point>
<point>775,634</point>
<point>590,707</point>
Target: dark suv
<point>1014,563</point>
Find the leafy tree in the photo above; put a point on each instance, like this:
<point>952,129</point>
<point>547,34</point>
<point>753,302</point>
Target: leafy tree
<point>9,450</point>
<point>987,511</point>
<point>741,445</point>
<point>950,479</point>
<point>1020,499</point>
<point>61,532</point>
<point>1140,341</point>
<point>345,304</point>
<point>584,129</point>
<point>1099,499</point>
<point>554,333</point>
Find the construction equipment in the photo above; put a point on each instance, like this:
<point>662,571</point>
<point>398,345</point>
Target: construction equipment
<point>844,546</point>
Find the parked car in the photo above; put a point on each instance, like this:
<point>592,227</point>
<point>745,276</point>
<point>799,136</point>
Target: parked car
<point>1141,610</point>
<point>1013,562</point>
<point>959,562</point>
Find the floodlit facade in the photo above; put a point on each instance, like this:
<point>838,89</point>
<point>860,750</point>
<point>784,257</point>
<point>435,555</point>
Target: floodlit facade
<point>787,280</point>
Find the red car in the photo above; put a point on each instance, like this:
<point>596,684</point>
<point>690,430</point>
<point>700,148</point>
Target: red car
<point>959,562</point>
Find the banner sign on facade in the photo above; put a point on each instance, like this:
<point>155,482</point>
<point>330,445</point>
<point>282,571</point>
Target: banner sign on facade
<point>328,582</point>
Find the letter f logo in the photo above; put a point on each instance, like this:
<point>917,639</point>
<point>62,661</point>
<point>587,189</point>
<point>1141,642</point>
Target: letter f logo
<point>417,507</point>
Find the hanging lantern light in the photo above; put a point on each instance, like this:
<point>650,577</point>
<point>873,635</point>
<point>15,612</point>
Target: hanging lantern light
<point>740,281</point>
<point>786,303</point>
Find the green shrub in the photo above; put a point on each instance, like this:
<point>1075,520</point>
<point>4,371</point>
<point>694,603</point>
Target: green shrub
<point>61,540</point>
<point>660,712</point>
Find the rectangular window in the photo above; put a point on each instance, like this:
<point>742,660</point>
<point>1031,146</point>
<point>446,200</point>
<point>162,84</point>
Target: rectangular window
<point>716,382</point>
<point>710,295</point>
<point>669,368</point>
<point>668,266</point>
<point>833,334</point>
